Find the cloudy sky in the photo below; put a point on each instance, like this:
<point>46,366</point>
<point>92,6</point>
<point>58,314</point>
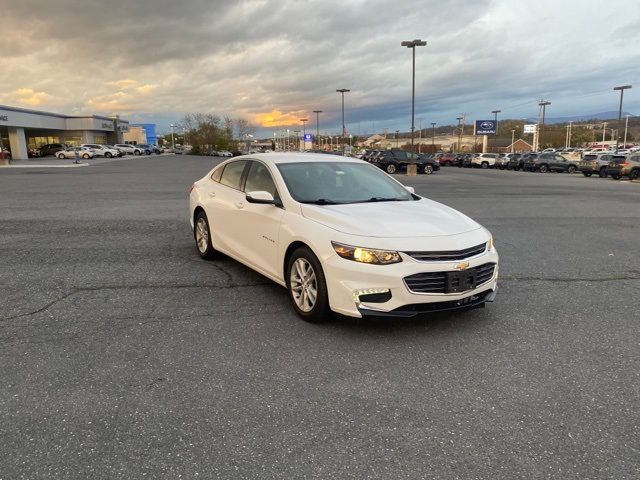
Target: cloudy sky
<point>274,62</point>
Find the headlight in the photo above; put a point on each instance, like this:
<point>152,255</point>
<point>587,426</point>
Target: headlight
<point>366,255</point>
<point>490,244</point>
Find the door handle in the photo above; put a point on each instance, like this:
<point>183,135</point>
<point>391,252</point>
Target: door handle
<point>240,204</point>
<point>212,194</point>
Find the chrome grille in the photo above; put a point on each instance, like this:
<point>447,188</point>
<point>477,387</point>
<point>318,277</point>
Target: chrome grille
<point>448,256</point>
<point>436,282</point>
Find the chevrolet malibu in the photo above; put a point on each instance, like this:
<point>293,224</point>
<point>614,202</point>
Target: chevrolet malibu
<point>342,236</point>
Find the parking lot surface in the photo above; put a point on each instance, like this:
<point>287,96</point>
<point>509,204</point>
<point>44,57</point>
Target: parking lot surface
<point>124,355</point>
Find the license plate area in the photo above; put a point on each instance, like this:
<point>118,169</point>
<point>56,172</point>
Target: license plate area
<point>461,281</point>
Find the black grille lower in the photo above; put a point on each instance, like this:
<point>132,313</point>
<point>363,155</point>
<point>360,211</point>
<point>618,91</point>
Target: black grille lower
<point>448,256</point>
<point>448,282</point>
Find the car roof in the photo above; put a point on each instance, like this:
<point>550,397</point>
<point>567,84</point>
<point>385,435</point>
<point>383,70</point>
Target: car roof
<point>298,157</point>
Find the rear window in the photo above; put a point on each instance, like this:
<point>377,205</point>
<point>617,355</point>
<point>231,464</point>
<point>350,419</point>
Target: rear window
<point>232,174</point>
<point>590,157</point>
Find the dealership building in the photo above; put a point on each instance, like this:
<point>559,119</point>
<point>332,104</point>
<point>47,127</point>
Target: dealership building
<point>22,129</point>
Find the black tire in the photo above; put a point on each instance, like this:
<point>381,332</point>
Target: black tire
<point>544,168</point>
<point>85,156</point>
<point>136,152</point>
<point>571,169</point>
<point>484,165</point>
<point>428,169</point>
<point>203,245</point>
<point>634,175</point>
<point>615,176</point>
<point>108,155</point>
<point>320,310</point>
<point>603,172</point>
<point>61,157</point>
<point>509,168</point>
<point>391,168</point>
<point>147,152</point>
<point>587,174</point>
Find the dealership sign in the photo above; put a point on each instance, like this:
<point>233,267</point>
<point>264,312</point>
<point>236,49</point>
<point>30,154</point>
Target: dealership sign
<point>530,128</point>
<point>308,137</point>
<point>4,118</point>
<point>485,127</point>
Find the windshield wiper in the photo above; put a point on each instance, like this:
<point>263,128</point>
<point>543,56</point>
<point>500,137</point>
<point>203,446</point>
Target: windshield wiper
<point>385,199</point>
<point>321,201</point>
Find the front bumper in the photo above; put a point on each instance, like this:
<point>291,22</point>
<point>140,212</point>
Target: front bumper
<point>346,279</point>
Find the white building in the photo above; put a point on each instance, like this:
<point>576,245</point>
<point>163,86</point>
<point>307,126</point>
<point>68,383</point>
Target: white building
<point>22,129</point>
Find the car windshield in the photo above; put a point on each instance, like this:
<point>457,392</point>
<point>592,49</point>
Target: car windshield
<point>328,183</point>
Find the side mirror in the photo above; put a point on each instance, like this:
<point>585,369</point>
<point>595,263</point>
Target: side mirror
<point>260,197</point>
<point>410,189</point>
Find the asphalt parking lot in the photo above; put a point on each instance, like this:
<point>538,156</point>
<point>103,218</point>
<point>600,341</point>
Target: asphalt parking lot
<point>124,355</point>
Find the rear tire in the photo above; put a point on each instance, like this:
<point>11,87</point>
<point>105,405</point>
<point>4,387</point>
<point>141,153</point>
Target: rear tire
<point>544,169</point>
<point>391,168</point>
<point>428,169</point>
<point>571,169</point>
<point>307,286</point>
<point>108,155</point>
<point>85,156</point>
<point>202,236</point>
<point>602,172</point>
<point>484,165</point>
<point>634,175</point>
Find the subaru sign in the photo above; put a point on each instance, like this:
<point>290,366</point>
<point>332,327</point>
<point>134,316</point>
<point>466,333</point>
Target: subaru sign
<point>308,137</point>
<point>485,127</point>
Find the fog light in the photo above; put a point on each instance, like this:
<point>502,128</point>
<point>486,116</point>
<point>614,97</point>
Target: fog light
<point>372,295</point>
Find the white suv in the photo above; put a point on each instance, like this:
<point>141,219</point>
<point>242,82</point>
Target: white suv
<point>484,160</point>
<point>102,150</point>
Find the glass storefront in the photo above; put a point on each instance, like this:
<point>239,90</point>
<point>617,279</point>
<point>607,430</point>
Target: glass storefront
<point>36,142</point>
<point>100,139</point>
<point>73,141</point>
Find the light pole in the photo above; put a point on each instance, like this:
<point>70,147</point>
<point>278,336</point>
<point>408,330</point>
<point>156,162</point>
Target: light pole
<point>433,136</point>
<point>317,112</point>
<point>459,133</point>
<point>412,45</point>
<point>543,104</point>
<point>604,132</point>
<point>173,145</point>
<point>626,126</point>
<point>622,89</point>
<point>495,118</point>
<point>343,91</point>
<point>569,139</point>
<point>513,139</point>
<point>304,131</point>
<point>397,132</point>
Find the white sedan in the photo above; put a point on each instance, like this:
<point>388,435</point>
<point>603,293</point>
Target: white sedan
<point>70,152</point>
<point>342,236</point>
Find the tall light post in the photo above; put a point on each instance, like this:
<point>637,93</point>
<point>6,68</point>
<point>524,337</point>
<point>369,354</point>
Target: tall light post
<point>495,118</point>
<point>604,132</point>
<point>513,139</point>
<point>317,112</point>
<point>543,104</point>
<point>569,138</point>
<point>397,132</point>
<point>626,126</point>
<point>173,144</point>
<point>433,136</point>
<point>343,91</point>
<point>622,89</point>
<point>304,131</point>
<point>412,45</point>
<point>459,132</point>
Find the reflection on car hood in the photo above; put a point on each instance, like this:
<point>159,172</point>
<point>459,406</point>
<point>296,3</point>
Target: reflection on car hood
<point>423,218</point>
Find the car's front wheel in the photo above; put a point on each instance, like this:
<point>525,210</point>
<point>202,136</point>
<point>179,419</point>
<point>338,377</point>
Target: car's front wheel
<point>634,175</point>
<point>108,155</point>
<point>602,172</point>
<point>307,286</point>
<point>202,236</point>
<point>571,169</point>
<point>544,169</point>
<point>428,169</point>
<point>85,156</point>
<point>391,168</point>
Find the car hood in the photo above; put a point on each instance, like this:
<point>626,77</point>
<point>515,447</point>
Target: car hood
<point>423,218</point>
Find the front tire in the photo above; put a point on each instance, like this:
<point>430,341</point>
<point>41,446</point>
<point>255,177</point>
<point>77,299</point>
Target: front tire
<point>108,155</point>
<point>391,168</point>
<point>544,169</point>
<point>85,156</point>
<point>307,286</point>
<point>428,169</point>
<point>571,169</point>
<point>202,236</point>
<point>484,165</point>
<point>634,175</point>
<point>602,172</point>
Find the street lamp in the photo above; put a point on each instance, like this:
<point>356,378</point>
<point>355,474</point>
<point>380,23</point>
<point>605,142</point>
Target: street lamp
<point>433,137</point>
<point>397,132</point>
<point>412,45</point>
<point>304,130</point>
<point>343,91</point>
<point>513,136</point>
<point>543,104</point>
<point>317,112</point>
<point>459,132</point>
<point>622,89</point>
<point>495,118</point>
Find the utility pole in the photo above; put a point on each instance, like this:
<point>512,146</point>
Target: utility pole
<point>569,139</point>
<point>420,135</point>
<point>459,133</point>
<point>495,118</point>
<point>433,137</point>
<point>317,112</point>
<point>604,131</point>
<point>397,132</point>
<point>513,136</point>
<point>622,89</point>
<point>343,91</point>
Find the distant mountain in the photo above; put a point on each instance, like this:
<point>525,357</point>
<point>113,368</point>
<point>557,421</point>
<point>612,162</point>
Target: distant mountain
<point>612,115</point>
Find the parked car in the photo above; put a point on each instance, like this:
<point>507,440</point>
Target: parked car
<point>484,160</point>
<point>549,162</point>
<point>629,168</point>
<point>394,160</point>
<point>148,148</point>
<point>51,149</point>
<point>329,222</point>
<point>127,149</point>
<point>598,163</point>
<point>447,159</point>
<point>70,152</point>
<point>503,160</point>
<point>102,150</point>
<point>113,147</point>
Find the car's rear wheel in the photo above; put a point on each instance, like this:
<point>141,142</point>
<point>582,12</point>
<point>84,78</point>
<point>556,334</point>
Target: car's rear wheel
<point>136,152</point>
<point>602,172</point>
<point>391,168</point>
<point>85,156</point>
<point>484,165</point>
<point>571,169</point>
<point>307,286</point>
<point>108,155</point>
<point>586,174</point>
<point>634,175</point>
<point>544,169</point>
<point>60,156</point>
<point>202,236</point>
<point>428,169</point>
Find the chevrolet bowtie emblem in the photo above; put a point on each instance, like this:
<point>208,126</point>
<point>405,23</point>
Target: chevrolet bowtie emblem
<point>462,266</point>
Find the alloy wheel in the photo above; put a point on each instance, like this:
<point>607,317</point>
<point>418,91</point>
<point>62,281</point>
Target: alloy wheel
<point>304,285</point>
<point>202,235</point>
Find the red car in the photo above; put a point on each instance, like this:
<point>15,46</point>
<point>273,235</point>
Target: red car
<point>447,159</point>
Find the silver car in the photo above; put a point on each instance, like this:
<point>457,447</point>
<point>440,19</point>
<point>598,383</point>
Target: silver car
<point>70,152</point>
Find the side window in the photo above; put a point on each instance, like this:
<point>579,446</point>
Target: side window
<point>217,173</point>
<point>259,179</point>
<point>232,174</point>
